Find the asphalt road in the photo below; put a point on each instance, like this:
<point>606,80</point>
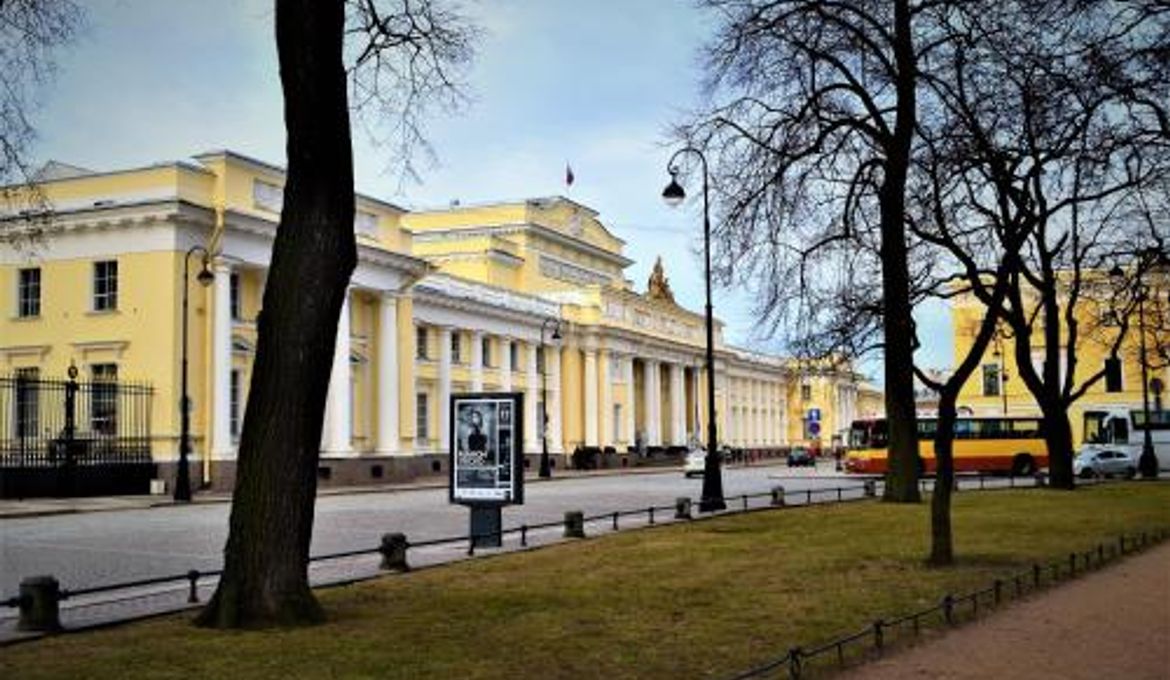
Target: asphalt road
<point>92,549</point>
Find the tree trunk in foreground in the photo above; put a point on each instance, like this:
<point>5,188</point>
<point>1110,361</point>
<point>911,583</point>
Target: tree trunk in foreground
<point>942,550</point>
<point>265,579</point>
<point>1058,437</point>
<point>902,476</point>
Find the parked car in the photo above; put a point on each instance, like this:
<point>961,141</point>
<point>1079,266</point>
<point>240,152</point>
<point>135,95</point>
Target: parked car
<point>1104,464</point>
<point>799,456</point>
<point>695,462</point>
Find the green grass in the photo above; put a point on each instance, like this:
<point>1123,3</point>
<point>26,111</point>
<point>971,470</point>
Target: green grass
<point>705,599</point>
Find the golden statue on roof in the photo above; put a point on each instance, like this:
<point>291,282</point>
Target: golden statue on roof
<point>658,287</point>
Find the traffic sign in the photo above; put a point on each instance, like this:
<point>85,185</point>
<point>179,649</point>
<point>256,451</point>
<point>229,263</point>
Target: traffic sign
<point>814,415</point>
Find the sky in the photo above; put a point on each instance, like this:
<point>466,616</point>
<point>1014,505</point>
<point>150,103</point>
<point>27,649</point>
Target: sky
<point>595,85</point>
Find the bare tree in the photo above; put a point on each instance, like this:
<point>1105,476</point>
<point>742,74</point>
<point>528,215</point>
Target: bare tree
<point>810,138</point>
<point>31,33</point>
<point>411,44</point>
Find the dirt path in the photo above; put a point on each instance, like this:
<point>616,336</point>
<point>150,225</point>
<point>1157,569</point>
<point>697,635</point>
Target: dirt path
<point>1111,624</point>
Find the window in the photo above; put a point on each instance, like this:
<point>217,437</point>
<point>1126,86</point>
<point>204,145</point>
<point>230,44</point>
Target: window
<point>105,286</point>
<point>485,347</point>
<point>27,402</point>
<point>234,407</point>
<point>513,356</point>
<point>617,422</point>
<point>420,342</point>
<point>365,224</point>
<point>421,417</point>
<point>615,370</point>
<point>267,196</point>
<point>539,359</point>
<point>541,421</point>
<point>1113,375</point>
<point>103,404</point>
<point>235,296</point>
<point>806,392</point>
<point>456,346</point>
<point>29,293</point>
<point>991,380</point>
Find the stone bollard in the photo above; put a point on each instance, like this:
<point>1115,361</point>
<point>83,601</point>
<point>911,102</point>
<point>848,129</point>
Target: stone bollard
<point>393,551</point>
<point>778,496</point>
<point>574,524</point>
<point>1040,479</point>
<point>870,488</point>
<point>682,508</point>
<point>39,610</point>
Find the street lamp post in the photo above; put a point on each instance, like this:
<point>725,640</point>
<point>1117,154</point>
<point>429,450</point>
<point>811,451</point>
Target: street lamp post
<point>673,194</point>
<point>1003,374</point>
<point>1147,258</point>
<point>545,466</point>
<point>183,476</point>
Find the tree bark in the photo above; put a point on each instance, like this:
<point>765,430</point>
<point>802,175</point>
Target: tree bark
<point>265,578</point>
<point>942,551</point>
<point>902,476</point>
<point>1058,437</point>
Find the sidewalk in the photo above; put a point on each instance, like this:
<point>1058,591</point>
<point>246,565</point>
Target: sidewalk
<point>1114,623</point>
<point>38,507</point>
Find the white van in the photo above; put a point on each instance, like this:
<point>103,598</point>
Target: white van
<point>1123,430</point>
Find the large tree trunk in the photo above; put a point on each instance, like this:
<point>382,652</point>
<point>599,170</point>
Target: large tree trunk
<point>265,579</point>
<point>902,477</point>
<point>1058,437</point>
<point>942,551</point>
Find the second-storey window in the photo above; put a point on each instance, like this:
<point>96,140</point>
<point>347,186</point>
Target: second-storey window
<point>421,417</point>
<point>420,342</point>
<point>513,356</point>
<point>29,293</point>
<point>1113,375</point>
<point>486,348</point>
<point>105,285</point>
<point>235,296</point>
<point>991,380</point>
<point>456,345</point>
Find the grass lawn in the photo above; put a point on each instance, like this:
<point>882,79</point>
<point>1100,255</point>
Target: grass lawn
<point>706,599</point>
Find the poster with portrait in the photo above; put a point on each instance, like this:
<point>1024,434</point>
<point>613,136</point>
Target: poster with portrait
<point>487,456</point>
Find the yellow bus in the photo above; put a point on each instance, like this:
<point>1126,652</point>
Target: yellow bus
<point>1014,445</point>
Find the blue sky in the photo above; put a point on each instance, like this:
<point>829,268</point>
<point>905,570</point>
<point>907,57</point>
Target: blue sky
<point>595,84</point>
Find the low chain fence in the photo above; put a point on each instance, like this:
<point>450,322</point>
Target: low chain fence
<point>37,608</point>
<point>878,638</point>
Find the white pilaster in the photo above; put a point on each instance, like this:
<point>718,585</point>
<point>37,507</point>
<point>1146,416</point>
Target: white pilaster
<point>531,396</point>
<point>653,399</point>
<point>338,413</point>
<point>477,361</point>
<point>631,422</point>
<point>221,332</point>
<point>552,364</point>
<point>388,375</point>
<point>677,406</point>
<point>605,422</point>
<point>591,397</point>
<point>505,364</point>
<point>444,404</point>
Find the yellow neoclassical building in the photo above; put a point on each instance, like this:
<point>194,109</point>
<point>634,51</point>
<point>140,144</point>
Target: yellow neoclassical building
<point>996,389</point>
<point>442,301</point>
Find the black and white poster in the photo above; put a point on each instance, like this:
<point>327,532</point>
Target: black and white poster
<point>487,437</point>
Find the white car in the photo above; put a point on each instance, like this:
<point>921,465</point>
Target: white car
<point>1104,463</point>
<point>695,463</point>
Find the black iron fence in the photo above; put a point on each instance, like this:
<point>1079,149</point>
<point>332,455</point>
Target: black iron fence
<point>64,437</point>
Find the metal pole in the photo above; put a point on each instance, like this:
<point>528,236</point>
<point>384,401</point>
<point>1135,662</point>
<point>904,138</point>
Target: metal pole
<point>712,495</point>
<point>545,464</point>
<point>1148,462</point>
<point>183,476</point>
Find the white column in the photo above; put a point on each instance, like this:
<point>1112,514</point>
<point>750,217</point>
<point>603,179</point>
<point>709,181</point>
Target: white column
<point>221,340</point>
<point>605,422</point>
<point>677,406</point>
<point>505,364</point>
<point>552,364</point>
<point>591,397</point>
<point>651,397</point>
<point>339,410</point>
<point>531,396</point>
<point>477,361</point>
<point>388,375</point>
<point>631,422</point>
<point>444,404</point>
